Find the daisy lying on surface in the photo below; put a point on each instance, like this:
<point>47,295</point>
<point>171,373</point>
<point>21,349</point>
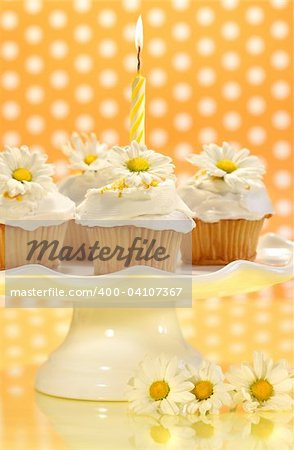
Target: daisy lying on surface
<point>161,385</point>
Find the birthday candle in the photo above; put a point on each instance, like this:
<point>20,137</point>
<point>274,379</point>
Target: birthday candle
<point>137,130</point>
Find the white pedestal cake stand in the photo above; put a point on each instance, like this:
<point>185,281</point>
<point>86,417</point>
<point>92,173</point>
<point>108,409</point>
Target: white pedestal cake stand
<point>104,345</point>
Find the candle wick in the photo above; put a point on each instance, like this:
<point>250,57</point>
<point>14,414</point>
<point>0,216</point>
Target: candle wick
<point>138,59</point>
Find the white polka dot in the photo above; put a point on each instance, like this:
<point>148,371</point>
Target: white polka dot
<point>212,320</point>
<point>232,121</point>
<point>255,45</point>
<point>59,109</point>
<point>10,110</point>
<point>182,150</point>
<point>108,78</point>
<point>257,135</point>
<point>181,31</point>
<point>158,137</point>
<point>35,124</point>
<point>33,34</point>
<point>255,75</point>
<point>254,15</point>
<point>281,120</point>
<point>15,391</point>
<point>180,5</point>
<point>34,64</point>
<point>58,138</point>
<point>10,80</point>
<point>283,207</point>
<point>157,77</point>
<point>282,179</point>
<point>83,63</point>
<point>8,20</point>
<point>229,4</point>
<point>206,46</point>
<point>82,6</point>
<point>279,29</point>
<point>131,5</point>
<point>262,317</point>
<point>84,93</point>
<point>286,325</point>
<point>262,336</point>
<point>59,79</point>
<point>130,62</point>
<point>156,17</point>
<point>107,18</point>
<point>286,232</point>
<point>157,47</point>
<point>58,49</point>
<point>206,76</point>
<point>108,108</point>
<point>110,136</point>
<point>9,50</point>
<point>181,62</point>
<point>280,89</point>
<point>207,106</point>
<point>158,107</point>
<point>256,105</point>
<point>231,90</point>
<point>205,16</point>
<point>280,59</point>
<point>82,33</point>
<point>230,60</point>
<point>11,138</point>
<point>212,340</point>
<point>33,6</point>
<point>237,329</point>
<point>237,347</point>
<point>279,4</point>
<point>207,135</point>
<point>84,122</point>
<point>182,91</point>
<point>35,94</point>
<point>230,30</point>
<point>61,168</point>
<point>15,371</point>
<point>183,121</point>
<point>282,149</point>
<point>107,48</point>
<point>57,19</point>
<point>129,32</point>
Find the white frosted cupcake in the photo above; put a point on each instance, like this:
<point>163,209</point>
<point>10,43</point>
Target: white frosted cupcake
<point>142,204</point>
<point>230,203</point>
<point>88,156</point>
<point>31,208</point>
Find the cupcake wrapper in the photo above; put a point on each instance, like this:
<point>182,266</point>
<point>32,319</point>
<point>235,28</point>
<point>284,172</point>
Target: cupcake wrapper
<point>222,242</point>
<point>76,235</point>
<point>14,253</point>
<point>124,236</point>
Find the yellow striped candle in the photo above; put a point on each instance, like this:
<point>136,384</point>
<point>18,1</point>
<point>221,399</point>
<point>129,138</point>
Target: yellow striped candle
<point>137,130</point>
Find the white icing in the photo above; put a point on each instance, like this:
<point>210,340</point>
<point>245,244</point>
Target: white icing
<point>211,207</point>
<point>54,209</point>
<point>76,186</point>
<point>156,207</point>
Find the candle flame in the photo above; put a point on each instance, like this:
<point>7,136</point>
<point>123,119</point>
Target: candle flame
<point>139,33</point>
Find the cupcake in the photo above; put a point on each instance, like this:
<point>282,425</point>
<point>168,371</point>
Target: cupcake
<point>230,203</point>
<point>88,156</point>
<point>31,209</point>
<point>140,208</point>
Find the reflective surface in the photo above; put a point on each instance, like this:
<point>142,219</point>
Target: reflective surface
<point>35,421</point>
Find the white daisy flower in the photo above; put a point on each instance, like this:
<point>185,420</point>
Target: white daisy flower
<point>24,172</point>
<point>139,165</point>
<point>236,168</point>
<point>85,152</point>
<point>210,392</point>
<point>159,385</point>
<point>265,385</point>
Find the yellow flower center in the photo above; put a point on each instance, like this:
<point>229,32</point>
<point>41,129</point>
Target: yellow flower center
<point>203,390</point>
<point>15,197</point>
<point>89,159</point>
<point>263,429</point>
<point>159,390</point>
<point>159,434</point>
<point>138,164</point>
<point>22,174</point>
<point>262,390</point>
<point>226,165</point>
<point>203,430</point>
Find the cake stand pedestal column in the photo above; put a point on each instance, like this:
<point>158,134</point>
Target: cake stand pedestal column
<point>104,346</point>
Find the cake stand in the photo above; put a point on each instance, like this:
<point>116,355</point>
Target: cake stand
<point>104,345</point>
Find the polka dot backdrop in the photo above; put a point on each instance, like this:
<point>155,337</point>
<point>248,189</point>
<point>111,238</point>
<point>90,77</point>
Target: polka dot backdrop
<point>216,70</point>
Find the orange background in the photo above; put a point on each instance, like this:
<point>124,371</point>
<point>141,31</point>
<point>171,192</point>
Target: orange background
<point>216,70</point>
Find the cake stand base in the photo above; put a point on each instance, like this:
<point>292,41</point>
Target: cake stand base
<point>104,346</point>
